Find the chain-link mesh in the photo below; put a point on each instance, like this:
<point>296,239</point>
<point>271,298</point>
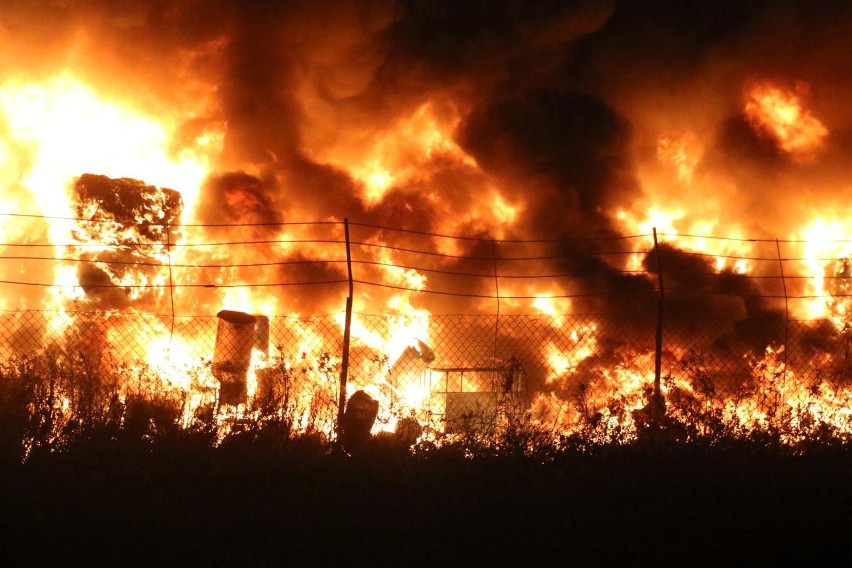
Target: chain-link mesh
<point>594,376</point>
<point>434,377</point>
<point>63,373</point>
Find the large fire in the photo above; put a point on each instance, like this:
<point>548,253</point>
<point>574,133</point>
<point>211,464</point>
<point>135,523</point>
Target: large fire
<point>118,207</point>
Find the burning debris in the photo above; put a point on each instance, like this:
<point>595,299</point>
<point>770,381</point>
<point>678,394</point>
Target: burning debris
<point>408,369</point>
<point>483,399</point>
<point>152,212</point>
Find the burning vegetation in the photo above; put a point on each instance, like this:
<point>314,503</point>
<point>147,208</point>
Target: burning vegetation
<point>540,244</point>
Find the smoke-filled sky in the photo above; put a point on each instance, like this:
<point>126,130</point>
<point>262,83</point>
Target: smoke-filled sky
<point>581,117</point>
<point>560,100</point>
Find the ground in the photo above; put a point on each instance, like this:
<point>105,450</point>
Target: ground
<point>244,506</point>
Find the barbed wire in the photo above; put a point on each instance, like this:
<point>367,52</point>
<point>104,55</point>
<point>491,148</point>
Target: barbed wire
<point>494,260</point>
<point>135,314</point>
<point>489,239</point>
<point>419,268</point>
<point>490,258</point>
<point>473,295</point>
<point>749,239</point>
<point>173,286</point>
<point>564,239</point>
<point>179,245</point>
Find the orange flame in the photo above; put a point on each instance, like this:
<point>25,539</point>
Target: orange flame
<point>781,114</point>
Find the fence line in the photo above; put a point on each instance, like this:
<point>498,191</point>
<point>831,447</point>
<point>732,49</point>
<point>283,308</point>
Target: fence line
<point>539,270</point>
<point>714,364</point>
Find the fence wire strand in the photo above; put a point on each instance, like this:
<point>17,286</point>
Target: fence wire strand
<point>728,371</point>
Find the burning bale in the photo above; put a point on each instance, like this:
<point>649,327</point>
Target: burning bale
<point>137,221</point>
<point>152,210</point>
<point>235,337</point>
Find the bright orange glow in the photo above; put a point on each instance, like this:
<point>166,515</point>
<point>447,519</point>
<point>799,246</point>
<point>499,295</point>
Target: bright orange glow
<point>680,154</point>
<point>826,252</point>
<point>553,307</point>
<point>398,155</point>
<point>66,129</point>
<point>60,128</point>
<point>504,212</point>
<point>377,182</point>
<point>781,114</point>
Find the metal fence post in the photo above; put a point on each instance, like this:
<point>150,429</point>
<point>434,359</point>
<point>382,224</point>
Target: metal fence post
<point>658,351</point>
<point>347,330</point>
<point>171,289</point>
<point>497,295</point>
<point>786,320</point>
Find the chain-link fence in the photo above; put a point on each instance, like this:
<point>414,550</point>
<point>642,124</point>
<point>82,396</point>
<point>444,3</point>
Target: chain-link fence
<point>462,375</point>
<point>652,336</point>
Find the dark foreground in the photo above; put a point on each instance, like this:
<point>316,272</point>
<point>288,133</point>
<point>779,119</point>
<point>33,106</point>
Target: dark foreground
<point>245,505</point>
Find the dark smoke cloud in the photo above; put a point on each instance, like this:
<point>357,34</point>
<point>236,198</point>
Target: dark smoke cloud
<point>318,191</point>
<point>573,142</point>
<point>696,293</point>
<point>685,65</point>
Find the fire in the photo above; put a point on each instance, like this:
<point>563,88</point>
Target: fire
<point>404,277</point>
<point>676,226</point>
<point>400,153</point>
<point>63,127</point>
<point>56,130</point>
<point>245,300</point>
<point>781,114</point>
<point>545,304</point>
<point>664,221</point>
<point>59,128</point>
<point>405,330</point>
<point>504,212</point>
<point>679,153</point>
<point>827,249</point>
<point>378,181</point>
<point>560,363</point>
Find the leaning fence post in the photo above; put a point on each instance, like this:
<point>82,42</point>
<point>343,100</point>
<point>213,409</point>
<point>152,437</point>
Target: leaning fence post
<point>497,296</point>
<point>171,289</point>
<point>658,351</point>
<point>786,319</point>
<point>347,330</point>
